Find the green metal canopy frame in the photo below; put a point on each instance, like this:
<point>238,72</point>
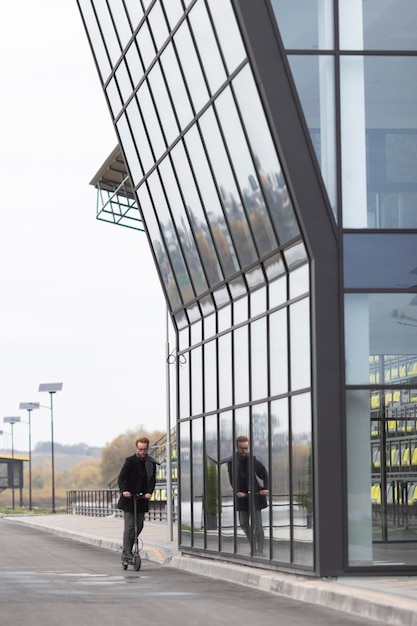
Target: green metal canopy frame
<point>116,202</point>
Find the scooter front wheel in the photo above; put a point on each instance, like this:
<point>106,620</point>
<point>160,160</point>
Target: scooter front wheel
<point>136,562</point>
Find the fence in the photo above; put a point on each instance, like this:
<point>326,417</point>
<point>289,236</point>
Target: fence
<point>103,503</point>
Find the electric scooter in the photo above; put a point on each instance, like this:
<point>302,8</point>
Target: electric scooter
<point>135,559</point>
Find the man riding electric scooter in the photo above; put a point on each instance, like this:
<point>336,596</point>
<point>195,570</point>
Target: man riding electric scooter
<point>137,476</point>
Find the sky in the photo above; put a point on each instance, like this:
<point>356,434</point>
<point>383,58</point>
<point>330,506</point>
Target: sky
<point>80,299</point>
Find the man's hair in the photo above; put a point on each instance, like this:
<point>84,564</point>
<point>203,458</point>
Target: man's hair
<point>142,440</point>
<point>242,439</point>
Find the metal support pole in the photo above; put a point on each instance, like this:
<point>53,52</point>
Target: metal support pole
<point>168,428</point>
<point>51,393</point>
<point>30,460</point>
<point>12,425</point>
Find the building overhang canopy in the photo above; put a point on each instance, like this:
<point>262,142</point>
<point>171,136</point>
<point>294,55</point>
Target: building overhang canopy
<point>116,200</point>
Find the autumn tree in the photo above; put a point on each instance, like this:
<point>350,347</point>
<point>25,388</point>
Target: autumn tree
<point>114,454</point>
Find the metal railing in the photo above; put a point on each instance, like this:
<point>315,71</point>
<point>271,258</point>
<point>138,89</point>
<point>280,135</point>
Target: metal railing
<point>103,503</point>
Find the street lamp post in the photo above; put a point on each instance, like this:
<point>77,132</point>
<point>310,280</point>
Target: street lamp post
<point>52,388</point>
<point>29,406</point>
<point>12,421</point>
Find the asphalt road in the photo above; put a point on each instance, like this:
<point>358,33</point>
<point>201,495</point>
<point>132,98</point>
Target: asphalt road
<point>49,581</point>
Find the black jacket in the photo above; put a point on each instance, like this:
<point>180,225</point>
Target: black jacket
<point>137,476</point>
<point>243,481</point>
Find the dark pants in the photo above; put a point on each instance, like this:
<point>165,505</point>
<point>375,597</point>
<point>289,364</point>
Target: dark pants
<point>258,530</point>
<point>129,530</point>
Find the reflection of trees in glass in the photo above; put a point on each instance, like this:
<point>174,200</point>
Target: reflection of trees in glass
<point>279,202</point>
<point>239,229</point>
<point>177,262</point>
<point>166,273</point>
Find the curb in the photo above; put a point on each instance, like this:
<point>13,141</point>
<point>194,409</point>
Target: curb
<point>363,603</point>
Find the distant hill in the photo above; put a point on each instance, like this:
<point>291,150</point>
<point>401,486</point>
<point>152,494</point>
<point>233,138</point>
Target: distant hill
<point>76,449</point>
<point>65,456</point>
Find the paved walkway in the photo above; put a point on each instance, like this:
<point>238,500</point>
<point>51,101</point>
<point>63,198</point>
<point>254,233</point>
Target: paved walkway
<point>387,600</point>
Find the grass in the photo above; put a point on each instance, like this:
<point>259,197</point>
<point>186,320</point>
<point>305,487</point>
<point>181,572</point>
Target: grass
<point>8,510</point>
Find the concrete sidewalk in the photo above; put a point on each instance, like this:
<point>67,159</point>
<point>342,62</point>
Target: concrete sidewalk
<point>387,600</point>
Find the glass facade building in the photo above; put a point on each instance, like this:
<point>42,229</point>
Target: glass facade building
<point>271,153</point>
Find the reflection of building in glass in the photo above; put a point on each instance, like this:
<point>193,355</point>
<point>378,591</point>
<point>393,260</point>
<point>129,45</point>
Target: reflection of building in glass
<point>273,165</point>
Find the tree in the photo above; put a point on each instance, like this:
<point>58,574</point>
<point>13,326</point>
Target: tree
<point>114,454</point>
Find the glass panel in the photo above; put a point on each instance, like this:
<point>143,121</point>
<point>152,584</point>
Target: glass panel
<point>259,360</point>
<point>121,22</point>
<point>196,332</point>
<point>393,261</point>
<point>107,28</point>
<point>314,78</point>
<point>224,318</point>
<point>171,238</point>
<point>227,32</point>
<point>158,25</point>
<point>269,173</point>
<point>221,236</point>
<point>280,482</point>
<point>295,255</point>
<point>299,281</point>
<point>358,478</point>
<point>258,302</point>
<point>124,82</point>
<point>226,452</point>
<point>240,310</point>
<point>314,31</point>
<point>302,482</point>
<point>211,491</point>
<point>163,104</point>
<point>379,142</point>
<point>250,192</point>
<point>129,149</point>
<point>255,277</point>
<point>225,370</point>
<point>209,325</point>
<point>135,11</point>
<point>221,296</point>
<point>152,125</point>
<point>176,86</point>
<point>300,344</point>
<point>260,489</point>
<point>184,386</point>
<point>197,481</point>
<point>196,215</point>
<point>184,233</point>
<point>158,245</point>
<point>379,324</point>
<point>207,306</point>
<point>243,537</point>
<point>114,97</point>
<point>207,45</point>
<point>185,480</point>
<point>241,365</point>
<point>191,67</point>
<point>278,292</point>
<point>174,11</point>
<point>274,266</point>
<point>238,289</point>
<point>145,45</point>
<point>238,225</point>
<point>134,63</point>
<point>97,43</point>
<point>196,381</point>
<point>194,312</point>
<point>278,352</point>
<point>183,339</point>
<point>141,138</point>
<point>375,25</point>
<point>210,376</point>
